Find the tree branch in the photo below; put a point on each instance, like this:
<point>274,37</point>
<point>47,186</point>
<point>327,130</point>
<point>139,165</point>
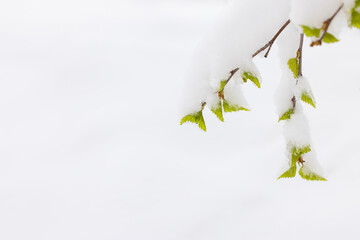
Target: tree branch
<point>325,27</point>
<point>268,45</point>
<point>271,42</point>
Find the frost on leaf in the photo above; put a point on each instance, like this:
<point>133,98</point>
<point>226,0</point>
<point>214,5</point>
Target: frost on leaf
<point>217,110</point>
<point>287,115</point>
<point>308,98</point>
<point>233,107</point>
<point>293,64</point>
<point>290,173</point>
<point>252,77</point>
<point>196,118</point>
<point>307,174</point>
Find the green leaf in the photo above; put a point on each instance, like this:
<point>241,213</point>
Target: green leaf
<point>297,152</point>
<point>357,4</point>
<point>315,32</point>
<point>252,77</point>
<point>290,173</point>
<point>222,85</point>
<point>309,175</point>
<point>232,107</point>
<point>294,66</point>
<point>355,19</point>
<point>311,32</point>
<point>287,114</point>
<point>196,118</point>
<point>217,110</point>
<point>329,38</point>
<point>307,98</point>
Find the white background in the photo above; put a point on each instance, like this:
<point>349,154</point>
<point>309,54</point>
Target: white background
<point>91,147</point>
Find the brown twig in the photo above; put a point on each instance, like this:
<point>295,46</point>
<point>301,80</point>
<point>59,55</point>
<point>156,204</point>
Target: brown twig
<point>325,27</point>
<point>299,57</point>
<point>271,42</point>
<point>299,54</point>
<point>232,73</point>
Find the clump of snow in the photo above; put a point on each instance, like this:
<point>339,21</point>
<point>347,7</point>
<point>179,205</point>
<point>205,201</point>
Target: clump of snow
<point>212,100</point>
<point>233,94</point>
<point>243,28</point>
<point>296,129</point>
<point>288,43</point>
<point>311,163</point>
<point>313,12</point>
<point>284,94</point>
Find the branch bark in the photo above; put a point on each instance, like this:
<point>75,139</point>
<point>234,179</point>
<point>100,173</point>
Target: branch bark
<point>271,42</point>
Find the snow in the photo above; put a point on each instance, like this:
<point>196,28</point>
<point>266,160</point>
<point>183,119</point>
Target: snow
<point>230,44</point>
<point>91,147</point>
<point>234,95</point>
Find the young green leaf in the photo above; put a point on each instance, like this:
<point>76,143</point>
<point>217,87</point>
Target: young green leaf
<point>287,114</point>
<point>311,32</point>
<point>329,38</point>
<point>222,85</point>
<point>217,110</point>
<point>196,118</point>
<point>290,173</point>
<point>307,98</point>
<point>309,175</point>
<point>252,77</point>
<point>355,19</point>
<point>293,64</point>
<point>232,107</point>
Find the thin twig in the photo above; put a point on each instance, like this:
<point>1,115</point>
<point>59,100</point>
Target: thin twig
<point>271,42</point>
<point>325,27</point>
<point>299,57</point>
<point>299,54</point>
<point>232,73</point>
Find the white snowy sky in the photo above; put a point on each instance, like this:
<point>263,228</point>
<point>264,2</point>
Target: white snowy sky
<point>91,147</point>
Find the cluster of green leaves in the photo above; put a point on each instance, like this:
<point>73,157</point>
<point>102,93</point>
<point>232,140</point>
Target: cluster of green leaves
<point>355,15</point>
<point>222,105</point>
<point>304,172</point>
<point>296,153</point>
<point>315,32</point>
